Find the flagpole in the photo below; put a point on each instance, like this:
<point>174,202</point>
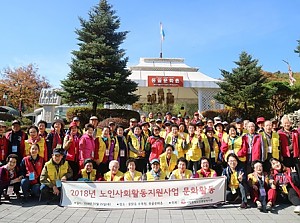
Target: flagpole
<point>161,53</point>
<point>162,37</point>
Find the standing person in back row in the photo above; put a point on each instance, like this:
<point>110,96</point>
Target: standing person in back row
<point>16,140</point>
<point>55,138</point>
<point>289,143</point>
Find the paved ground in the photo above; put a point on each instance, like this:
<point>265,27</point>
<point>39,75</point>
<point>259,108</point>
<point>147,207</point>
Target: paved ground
<point>33,211</point>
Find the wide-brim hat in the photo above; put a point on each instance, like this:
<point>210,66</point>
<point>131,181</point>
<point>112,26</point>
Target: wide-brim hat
<point>58,121</point>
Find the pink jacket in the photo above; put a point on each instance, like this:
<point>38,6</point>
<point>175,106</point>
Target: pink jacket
<point>86,148</point>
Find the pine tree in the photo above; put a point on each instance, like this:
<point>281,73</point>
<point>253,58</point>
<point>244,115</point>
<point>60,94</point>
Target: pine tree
<point>98,70</point>
<point>243,89</point>
<point>297,50</point>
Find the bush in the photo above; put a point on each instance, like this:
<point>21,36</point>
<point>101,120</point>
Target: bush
<point>119,121</point>
<point>224,114</point>
<point>84,114</point>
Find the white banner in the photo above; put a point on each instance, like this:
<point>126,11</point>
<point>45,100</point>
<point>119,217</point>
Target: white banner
<point>146,194</point>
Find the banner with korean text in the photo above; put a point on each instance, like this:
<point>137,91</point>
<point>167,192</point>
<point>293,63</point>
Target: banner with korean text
<point>153,194</point>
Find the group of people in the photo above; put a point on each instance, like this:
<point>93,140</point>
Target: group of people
<point>259,160</point>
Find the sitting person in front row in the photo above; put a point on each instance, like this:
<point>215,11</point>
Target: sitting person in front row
<point>205,171</point>
<point>114,174</point>
<point>236,180</point>
<point>88,173</point>
<point>285,185</point>
<point>54,172</point>
<point>181,172</point>
<point>132,174</point>
<point>155,173</point>
<point>258,182</point>
<point>9,176</point>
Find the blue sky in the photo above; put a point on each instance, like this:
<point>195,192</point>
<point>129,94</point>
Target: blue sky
<point>210,34</point>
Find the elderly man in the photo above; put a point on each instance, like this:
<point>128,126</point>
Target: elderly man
<point>54,172</point>
<point>252,146</point>
<point>16,140</point>
<point>271,143</point>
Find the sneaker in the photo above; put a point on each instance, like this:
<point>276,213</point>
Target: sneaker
<point>244,205</point>
<point>259,205</point>
<point>297,209</point>
<point>6,197</point>
<point>269,206</point>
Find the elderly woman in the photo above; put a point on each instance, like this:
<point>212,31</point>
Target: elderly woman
<point>205,171</point>
<point>155,173</point>
<point>132,174</point>
<point>114,174</point>
<point>168,160</point>
<point>181,172</point>
<point>34,138</point>
<point>9,175</point>
<point>88,173</point>
<point>236,180</point>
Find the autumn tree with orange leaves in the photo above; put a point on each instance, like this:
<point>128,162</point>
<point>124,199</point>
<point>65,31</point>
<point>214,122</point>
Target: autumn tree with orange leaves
<point>20,87</point>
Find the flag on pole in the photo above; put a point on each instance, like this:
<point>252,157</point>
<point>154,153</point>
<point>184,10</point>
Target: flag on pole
<point>162,32</point>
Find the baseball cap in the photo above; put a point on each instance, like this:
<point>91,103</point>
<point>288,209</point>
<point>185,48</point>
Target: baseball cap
<point>199,123</point>
<point>133,120</point>
<point>2,123</point>
<point>58,151</point>
<point>260,119</point>
<point>111,123</point>
<point>154,161</point>
<point>196,113</point>
<point>93,117</point>
<point>152,120</point>
<point>76,119</point>
<point>158,120</point>
<point>16,122</point>
<point>238,120</point>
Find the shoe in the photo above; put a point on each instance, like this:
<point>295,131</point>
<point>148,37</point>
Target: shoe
<point>6,197</point>
<point>269,206</point>
<point>244,205</point>
<point>24,200</point>
<point>259,205</point>
<point>297,209</point>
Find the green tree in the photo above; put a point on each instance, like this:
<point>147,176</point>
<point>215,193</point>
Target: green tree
<point>98,70</point>
<point>243,89</point>
<point>297,50</point>
<point>280,95</point>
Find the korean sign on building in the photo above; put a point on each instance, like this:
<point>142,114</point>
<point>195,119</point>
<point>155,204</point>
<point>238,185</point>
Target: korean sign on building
<point>165,81</point>
<point>154,194</point>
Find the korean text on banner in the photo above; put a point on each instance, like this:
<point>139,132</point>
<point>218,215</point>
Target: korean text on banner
<point>154,194</point>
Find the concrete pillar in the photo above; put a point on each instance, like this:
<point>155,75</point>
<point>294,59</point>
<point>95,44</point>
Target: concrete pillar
<point>200,103</point>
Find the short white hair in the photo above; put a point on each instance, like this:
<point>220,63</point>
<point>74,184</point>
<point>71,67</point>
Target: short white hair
<point>285,117</point>
<point>111,163</point>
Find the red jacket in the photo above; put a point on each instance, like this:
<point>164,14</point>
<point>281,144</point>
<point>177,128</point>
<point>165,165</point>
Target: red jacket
<point>288,176</point>
<point>73,151</point>
<point>33,166</point>
<point>5,177</point>
<point>284,143</point>
<point>257,151</point>
<point>3,148</point>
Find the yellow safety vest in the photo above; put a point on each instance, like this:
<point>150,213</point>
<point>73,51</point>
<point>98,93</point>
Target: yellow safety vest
<point>150,177</point>
<point>194,152</point>
<point>137,145</point>
<point>274,144</point>
<point>118,177</point>
<point>137,176</point>
<point>41,144</point>
<point>54,175</point>
<point>86,176</point>
<point>187,174</point>
<point>178,145</point>
<point>237,145</point>
<point>164,164</point>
